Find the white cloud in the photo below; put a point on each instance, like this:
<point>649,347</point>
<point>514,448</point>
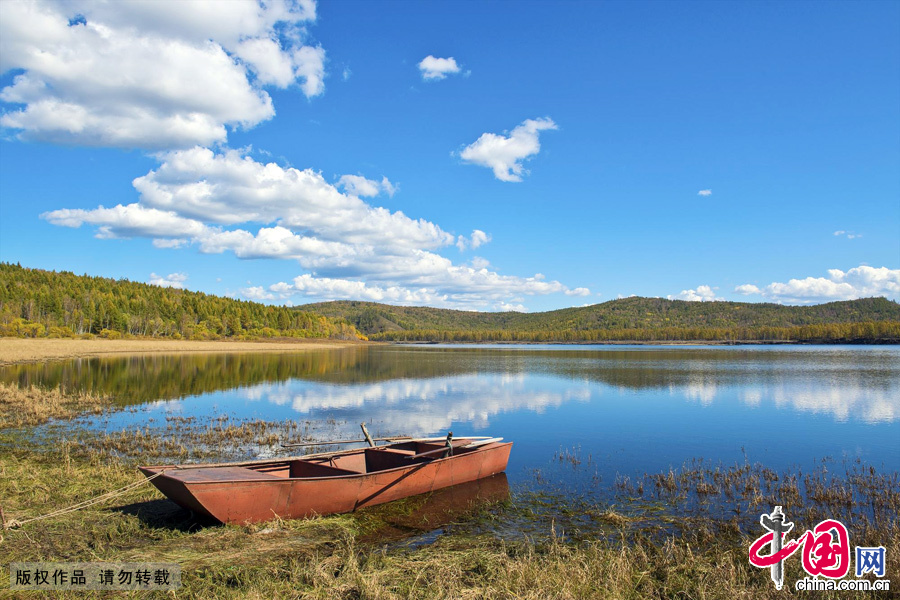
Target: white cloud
<point>357,185</point>
<point>228,202</point>
<point>847,234</point>
<point>128,221</point>
<point>478,239</point>
<point>747,289</point>
<point>172,280</point>
<point>149,74</point>
<point>858,282</point>
<point>270,242</point>
<point>309,67</point>
<point>581,291</point>
<point>229,188</point>
<point>704,193</point>
<point>257,293</point>
<point>448,285</point>
<point>169,243</point>
<point>437,68</point>
<point>506,307</point>
<point>343,289</point>
<point>505,154</point>
<point>703,293</point>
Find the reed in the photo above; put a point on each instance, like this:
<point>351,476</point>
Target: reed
<point>29,406</point>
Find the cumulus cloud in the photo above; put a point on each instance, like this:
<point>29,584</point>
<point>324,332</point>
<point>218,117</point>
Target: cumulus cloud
<point>477,239</point>
<point>257,293</point>
<point>447,285</point>
<point>172,280</point>
<point>507,307</point>
<point>858,282</point>
<point>479,262</point>
<point>343,289</point>
<point>149,74</point>
<point>228,202</point>
<point>703,293</point>
<point>847,234</point>
<point>747,289</point>
<point>357,185</point>
<point>434,69</point>
<point>581,291</point>
<point>128,221</point>
<point>169,243</point>
<point>229,188</point>
<point>504,154</point>
<point>704,193</point>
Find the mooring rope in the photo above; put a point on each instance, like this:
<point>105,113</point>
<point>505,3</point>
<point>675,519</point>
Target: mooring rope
<point>15,523</point>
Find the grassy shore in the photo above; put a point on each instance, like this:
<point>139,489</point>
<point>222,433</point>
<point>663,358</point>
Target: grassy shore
<point>638,548</point>
<point>21,350</point>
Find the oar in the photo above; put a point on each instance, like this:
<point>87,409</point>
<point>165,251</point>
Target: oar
<point>441,439</point>
<point>398,438</point>
<point>483,442</point>
<point>395,438</point>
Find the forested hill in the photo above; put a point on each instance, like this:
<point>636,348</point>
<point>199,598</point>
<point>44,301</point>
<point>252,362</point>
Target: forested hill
<point>868,319</point>
<point>37,303</point>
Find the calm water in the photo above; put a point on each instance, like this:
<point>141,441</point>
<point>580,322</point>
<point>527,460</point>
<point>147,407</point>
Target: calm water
<point>622,410</point>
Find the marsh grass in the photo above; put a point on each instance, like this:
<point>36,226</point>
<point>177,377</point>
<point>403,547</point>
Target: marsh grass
<point>184,438</point>
<point>25,407</point>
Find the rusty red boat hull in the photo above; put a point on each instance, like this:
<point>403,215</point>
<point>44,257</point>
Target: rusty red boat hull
<point>322,484</point>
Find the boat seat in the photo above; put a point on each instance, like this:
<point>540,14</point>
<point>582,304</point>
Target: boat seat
<point>221,474</point>
<point>379,459</point>
<point>303,468</point>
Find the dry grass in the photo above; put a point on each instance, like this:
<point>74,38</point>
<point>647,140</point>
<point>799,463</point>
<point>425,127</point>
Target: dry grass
<point>22,350</point>
<point>222,438</point>
<point>23,407</point>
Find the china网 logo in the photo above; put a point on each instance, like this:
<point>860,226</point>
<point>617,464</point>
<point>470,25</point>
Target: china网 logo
<point>825,553</point>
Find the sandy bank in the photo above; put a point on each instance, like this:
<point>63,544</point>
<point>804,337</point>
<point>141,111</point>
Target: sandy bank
<point>18,350</point>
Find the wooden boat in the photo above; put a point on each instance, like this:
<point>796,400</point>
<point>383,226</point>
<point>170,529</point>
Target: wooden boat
<point>327,483</point>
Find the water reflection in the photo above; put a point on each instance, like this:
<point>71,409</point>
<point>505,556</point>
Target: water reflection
<point>424,405</point>
<point>427,388</point>
<point>419,520</point>
<point>625,410</point>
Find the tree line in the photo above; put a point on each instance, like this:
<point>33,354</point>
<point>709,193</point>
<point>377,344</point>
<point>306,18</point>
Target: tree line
<point>629,315</point>
<point>39,303</point>
<point>865,332</point>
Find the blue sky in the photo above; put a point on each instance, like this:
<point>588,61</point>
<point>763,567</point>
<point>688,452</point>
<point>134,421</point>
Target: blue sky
<point>490,155</point>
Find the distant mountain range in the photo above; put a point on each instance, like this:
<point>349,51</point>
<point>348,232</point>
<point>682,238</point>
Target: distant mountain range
<point>38,303</point>
<point>627,318</point>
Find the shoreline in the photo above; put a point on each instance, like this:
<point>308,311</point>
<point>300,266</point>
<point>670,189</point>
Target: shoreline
<point>879,342</point>
<point>30,350</point>
<point>14,350</point>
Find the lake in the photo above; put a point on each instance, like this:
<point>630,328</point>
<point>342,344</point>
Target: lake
<point>612,410</point>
